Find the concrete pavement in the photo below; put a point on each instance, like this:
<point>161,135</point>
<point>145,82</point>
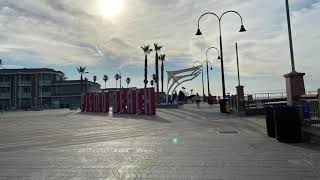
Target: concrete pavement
<point>184,143</point>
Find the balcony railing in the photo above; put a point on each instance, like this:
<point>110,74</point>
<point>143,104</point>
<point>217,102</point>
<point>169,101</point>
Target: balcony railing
<point>25,83</point>
<point>4,84</point>
<point>24,95</point>
<point>45,94</point>
<point>4,95</point>
<point>46,82</point>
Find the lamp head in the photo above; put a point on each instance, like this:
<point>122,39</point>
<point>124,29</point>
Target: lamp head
<point>242,29</point>
<point>199,33</point>
<point>219,57</point>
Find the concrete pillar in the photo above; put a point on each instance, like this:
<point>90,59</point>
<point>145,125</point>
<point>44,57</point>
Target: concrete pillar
<point>295,87</point>
<point>240,98</point>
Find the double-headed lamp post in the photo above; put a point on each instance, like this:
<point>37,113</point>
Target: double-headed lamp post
<point>242,29</point>
<point>202,73</point>
<point>208,65</point>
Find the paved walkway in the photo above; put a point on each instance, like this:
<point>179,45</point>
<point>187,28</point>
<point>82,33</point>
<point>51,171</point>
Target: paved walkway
<point>184,143</point>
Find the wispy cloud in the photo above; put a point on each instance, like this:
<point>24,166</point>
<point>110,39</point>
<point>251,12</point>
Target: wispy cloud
<point>67,33</point>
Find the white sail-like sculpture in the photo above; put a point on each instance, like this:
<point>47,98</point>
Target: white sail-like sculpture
<point>177,79</point>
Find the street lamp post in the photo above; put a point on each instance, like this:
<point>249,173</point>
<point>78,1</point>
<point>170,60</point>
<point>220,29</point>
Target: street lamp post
<point>290,36</point>
<point>294,80</point>
<point>208,65</point>
<point>240,88</point>
<point>223,103</point>
<point>238,64</point>
<point>242,29</point>
<point>202,76</point>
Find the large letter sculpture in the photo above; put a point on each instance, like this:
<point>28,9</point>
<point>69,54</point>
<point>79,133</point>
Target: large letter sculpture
<point>123,101</point>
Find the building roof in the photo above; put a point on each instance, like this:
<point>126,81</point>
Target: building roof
<point>29,71</point>
<point>74,82</point>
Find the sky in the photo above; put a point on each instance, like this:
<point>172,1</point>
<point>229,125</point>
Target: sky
<point>65,34</point>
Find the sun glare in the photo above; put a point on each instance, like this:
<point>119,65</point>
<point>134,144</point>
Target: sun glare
<point>110,8</point>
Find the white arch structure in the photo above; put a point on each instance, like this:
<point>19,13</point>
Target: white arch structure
<point>174,76</point>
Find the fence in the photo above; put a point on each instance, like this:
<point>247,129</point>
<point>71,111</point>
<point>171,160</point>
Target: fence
<point>272,96</point>
<point>315,112</point>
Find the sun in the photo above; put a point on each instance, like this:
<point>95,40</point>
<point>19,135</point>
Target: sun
<point>110,8</point>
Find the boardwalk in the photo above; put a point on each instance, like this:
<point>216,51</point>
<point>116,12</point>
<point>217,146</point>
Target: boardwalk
<point>177,144</point>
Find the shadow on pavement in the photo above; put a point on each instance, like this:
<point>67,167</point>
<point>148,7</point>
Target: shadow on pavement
<point>128,116</point>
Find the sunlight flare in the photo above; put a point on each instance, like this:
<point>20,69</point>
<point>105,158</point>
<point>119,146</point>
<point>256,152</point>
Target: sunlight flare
<point>110,8</point>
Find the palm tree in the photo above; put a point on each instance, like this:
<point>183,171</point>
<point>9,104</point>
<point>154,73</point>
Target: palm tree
<point>152,83</point>
<point>146,50</point>
<point>128,80</point>
<point>157,48</point>
<point>94,79</point>
<point>81,71</point>
<point>162,58</point>
<point>117,77</point>
<point>154,78</point>
<point>105,79</point>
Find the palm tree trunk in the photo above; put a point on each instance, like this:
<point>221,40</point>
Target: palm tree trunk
<point>162,71</point>
<point>105,85</point>
<point>145,71</point>
<point>157,71</point>
<point>116,84</point>
<point>81,84</point>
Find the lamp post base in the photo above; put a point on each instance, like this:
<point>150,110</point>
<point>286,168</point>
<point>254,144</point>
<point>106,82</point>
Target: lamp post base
<point>294,87</point>
<point>240,98</point>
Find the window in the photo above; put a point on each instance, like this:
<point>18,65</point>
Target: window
<point>46,89</point>
<point>26,90</point>
<point>4,90</point>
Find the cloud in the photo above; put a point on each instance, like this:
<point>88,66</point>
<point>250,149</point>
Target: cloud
<point>65,33</point>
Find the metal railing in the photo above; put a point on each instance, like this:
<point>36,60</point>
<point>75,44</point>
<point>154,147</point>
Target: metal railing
<point>272,96</point>
<point>267,96</point>
<point>45,94</point>
<point>46,82</point>
<point>24,95</point>
<point>25,83</point>
<point>315,112</point>
<point>4,95</point>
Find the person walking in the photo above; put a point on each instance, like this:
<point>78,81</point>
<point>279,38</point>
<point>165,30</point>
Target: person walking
<point>181,99</point>
<point>198,100</point>
<point>174,98</point>
<point>210,100</point>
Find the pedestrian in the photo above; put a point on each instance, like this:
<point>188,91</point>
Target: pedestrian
<point>181,99</point>
<point>198,100</point>
<point>174,97</point>
<point>210,100</point>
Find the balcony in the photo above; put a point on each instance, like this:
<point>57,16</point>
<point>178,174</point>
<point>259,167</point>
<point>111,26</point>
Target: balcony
<point>4,83</point>
<point>46,82</point>
<point>45,94</point>
<point>4,95</point>
<point>25,83</point>
<point>24,95</point>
